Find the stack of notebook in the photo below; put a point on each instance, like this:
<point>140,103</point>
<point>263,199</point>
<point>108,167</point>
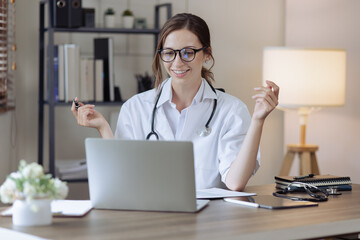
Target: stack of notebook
<point>321,181</point>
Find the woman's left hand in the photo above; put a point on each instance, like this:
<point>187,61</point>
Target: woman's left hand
<point>266,100</point>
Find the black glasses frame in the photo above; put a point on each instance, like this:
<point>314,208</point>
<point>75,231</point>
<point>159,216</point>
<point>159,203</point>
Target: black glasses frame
<point>316,194</point>
<point>179,51</point>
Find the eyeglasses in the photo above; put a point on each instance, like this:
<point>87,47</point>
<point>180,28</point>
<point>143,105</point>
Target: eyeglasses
<point>186,54</point>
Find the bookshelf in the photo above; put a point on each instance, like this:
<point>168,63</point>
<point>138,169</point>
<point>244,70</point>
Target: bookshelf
<point>47,30</point>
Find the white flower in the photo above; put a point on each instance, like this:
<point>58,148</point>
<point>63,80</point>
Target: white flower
<point>29,189</point>
<point>30,182</point>
<point>61,189</point>
<point>7,191</point>
<point>32,171</point>
<point>15,175</point>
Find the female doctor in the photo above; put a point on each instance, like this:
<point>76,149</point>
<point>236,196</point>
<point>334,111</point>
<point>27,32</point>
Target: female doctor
<point>186,107</point>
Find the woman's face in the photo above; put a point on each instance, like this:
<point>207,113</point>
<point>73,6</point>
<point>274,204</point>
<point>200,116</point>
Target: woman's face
<point>188,73</point>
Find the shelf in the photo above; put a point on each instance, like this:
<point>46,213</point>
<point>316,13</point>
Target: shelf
<point>75,180</point>
<point>68,104</point>
<point>105,30</point>
<point>46,59</point>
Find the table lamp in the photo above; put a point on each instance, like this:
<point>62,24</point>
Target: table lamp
<point>309,79</point>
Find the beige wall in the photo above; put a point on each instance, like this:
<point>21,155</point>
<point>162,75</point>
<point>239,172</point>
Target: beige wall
<point>7,144</point>
<point>330,24</point>
<point>240,30</point>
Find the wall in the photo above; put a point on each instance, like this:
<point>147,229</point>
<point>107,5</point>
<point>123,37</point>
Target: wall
<point>7,144</point>
<point>330,24</point>
<point>240,30</point>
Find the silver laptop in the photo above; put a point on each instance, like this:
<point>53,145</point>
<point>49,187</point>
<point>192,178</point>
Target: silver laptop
<point>142,175</point>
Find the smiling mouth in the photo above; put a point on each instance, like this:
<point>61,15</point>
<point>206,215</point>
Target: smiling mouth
<point>179,72</point>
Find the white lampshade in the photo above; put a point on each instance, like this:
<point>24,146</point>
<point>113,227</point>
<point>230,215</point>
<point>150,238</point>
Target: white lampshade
<point>306,77</point>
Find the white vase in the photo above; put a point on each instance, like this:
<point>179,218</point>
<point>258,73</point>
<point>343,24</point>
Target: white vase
<point>128,21</point>
<point>109,21</point>
<point>34,213</point>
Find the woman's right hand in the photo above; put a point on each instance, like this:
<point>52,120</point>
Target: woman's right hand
<point>87,116</point>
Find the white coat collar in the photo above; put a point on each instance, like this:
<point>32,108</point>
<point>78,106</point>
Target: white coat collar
<point>204,92</point>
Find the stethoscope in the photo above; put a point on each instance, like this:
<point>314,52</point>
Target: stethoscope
<point>203,133</point>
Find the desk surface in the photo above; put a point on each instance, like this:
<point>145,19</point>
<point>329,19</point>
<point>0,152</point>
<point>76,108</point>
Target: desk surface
<point>219,220</point>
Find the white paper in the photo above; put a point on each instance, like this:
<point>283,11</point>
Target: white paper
<point>71,208</point>
<point>13,235</point>
<point>212,193</point>
<point>74,208</point>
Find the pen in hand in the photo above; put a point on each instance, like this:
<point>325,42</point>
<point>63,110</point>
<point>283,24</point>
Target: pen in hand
<point>77,105</point>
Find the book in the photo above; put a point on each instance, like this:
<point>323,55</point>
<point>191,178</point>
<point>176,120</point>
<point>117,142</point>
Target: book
<point>72,71</point>
<point>53,78</point>
<point>99,80</point>
<point>61,72</point>
<point>56,73</point>
<point>103,49</point>
<point>87,79</point>
<point>323,181</point>
<point>71,169</point>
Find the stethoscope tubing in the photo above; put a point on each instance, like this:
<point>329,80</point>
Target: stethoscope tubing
<point>207,128</point>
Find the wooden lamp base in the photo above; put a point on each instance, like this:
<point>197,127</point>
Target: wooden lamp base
<point>307,159</point>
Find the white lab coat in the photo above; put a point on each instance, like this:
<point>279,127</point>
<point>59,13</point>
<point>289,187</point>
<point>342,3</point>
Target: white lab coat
<point>213,154</point>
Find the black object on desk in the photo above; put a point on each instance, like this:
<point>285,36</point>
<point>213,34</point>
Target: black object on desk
<point>320,181</point>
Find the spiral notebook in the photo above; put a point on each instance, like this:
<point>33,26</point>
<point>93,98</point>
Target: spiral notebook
<point>322,181</point>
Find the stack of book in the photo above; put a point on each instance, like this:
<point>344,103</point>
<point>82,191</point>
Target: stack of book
<point>91,78</point>
<point>70,169</point>
<point>320,181</point>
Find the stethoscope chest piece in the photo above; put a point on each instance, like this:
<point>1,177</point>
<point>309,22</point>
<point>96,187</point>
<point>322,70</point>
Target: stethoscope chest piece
<point>205,132</point>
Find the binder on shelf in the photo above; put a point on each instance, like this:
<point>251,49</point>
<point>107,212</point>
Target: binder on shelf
<point>66,13</point>
<point>87,79</point>
<point>103,50</point>
<point>75,13</point>
<point>60,13</point>
<point>322,181</point>
<point>72,73</point>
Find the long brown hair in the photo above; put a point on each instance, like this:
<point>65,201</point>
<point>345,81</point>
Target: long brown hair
<point>195,25</point>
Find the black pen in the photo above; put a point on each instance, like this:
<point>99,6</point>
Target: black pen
<point>305,176</point>
<point>77,105</point>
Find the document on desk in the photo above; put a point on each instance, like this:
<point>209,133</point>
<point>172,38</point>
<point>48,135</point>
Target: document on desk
<point>64,208</point>
<point>213,193</point>
<point>13,235</point>
<point>70,208</point>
